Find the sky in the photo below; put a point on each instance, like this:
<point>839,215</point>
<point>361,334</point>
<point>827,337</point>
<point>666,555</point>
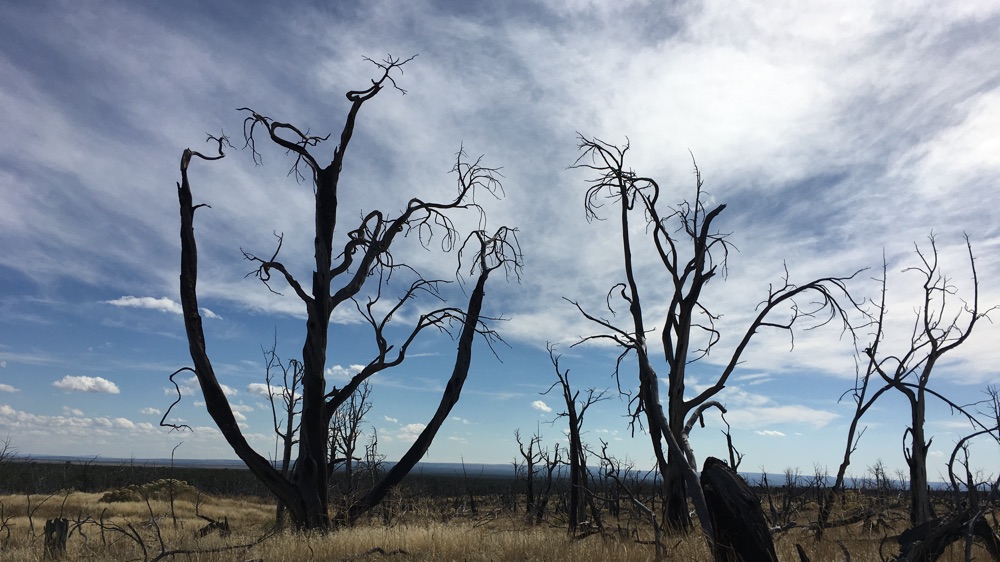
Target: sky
<point>835,135</point>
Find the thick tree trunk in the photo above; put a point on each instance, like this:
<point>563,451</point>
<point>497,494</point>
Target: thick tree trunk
<point>921,510</point>
<point>927,542</point>
<point>676,512</point>
<point>741,532</point>
<point>215,399</point>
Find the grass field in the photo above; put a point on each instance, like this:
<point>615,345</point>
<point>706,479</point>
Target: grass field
<point>418,529</point>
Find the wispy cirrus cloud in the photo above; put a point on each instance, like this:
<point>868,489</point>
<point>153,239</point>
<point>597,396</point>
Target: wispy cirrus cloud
<point>151,303</point>
<point>162,304</point>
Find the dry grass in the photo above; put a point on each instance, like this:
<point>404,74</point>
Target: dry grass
<point>412,536</point>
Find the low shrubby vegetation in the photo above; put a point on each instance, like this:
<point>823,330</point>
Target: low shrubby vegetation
<point>435,517</point>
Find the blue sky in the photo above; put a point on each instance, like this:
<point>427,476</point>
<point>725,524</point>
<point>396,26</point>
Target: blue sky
<point>834,134</point>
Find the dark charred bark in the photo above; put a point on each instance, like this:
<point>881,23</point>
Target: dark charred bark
<point>490,249</point>
<point>576,409</point>
<point>365,256</point>
<point>935,333</point>
<point>215,399</point>
<point>692,252</point>
<point>927,542</point>
<point>741,531</point>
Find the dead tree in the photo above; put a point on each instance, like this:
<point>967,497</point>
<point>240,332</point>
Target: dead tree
<point>364,259</point>
<point>692,252</point>
<point>532,457</point>
<point>927,541</point>
<point>551,463</point>
<point>345,431</point>
<point>576,409</point>
<point>741,532</point>
<point>285,428</point>
<point>864,397</point>
<point>613,470</point>
<point>940,327</point>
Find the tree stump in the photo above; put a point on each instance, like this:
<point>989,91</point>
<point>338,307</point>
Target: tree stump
<point>741,532</point>
<point>56,531</point>
<point>928,541</point>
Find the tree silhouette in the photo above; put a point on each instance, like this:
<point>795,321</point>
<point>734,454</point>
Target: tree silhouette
<point>364,258</point>
<point>692,252</point>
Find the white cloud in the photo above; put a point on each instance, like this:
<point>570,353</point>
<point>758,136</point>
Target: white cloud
<point>87,384</point>
<point>769,433</point>
<point>754,379</point>
<point>390,420</point>
<point>123,423</point>
<point>410,432</point>
<point>7,388</point>
<point>785,414</point>
<point>810,123</point>
<point>190,386</point>
<point>339,373</point>
<point>263,390</point>
<point>541,406</point>
<point>72,411</point>
<point>162,304</point>
<point>150,411</point>
<point>209,314</point>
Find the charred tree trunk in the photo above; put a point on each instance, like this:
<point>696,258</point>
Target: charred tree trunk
<point>215,399</point>
<point>927,542</point>
<point>921,509</point>
<point>492,254</point>
<point>692,252</point>
<point>365,256</point>
<point>741,531</point>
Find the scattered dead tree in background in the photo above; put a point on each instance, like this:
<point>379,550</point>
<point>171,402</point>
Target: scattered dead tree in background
<point>939,328</point>
<point>692,252</point>
<point>285,428</point>
<point>934,335</point>
<point>532,458</point>
<point>576,409</point>
<point>618,472</point>
<point>345,432</point>
<point>364,259</point>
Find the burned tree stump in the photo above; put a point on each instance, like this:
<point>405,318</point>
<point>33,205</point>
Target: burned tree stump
<point>928,541</point>
<point>56,531</point>
<point>741,532</point>
<point>213,525</point>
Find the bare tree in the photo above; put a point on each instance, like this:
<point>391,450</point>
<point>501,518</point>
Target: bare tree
<point>940,327</point>
<point>692,252</point>
<point>7,449</point>
<point>345,431</point>
<point>285,428</point>
<point>576,409</point>
<point>532,457</point>
<point>364,260</point>
<point>618,472</point>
